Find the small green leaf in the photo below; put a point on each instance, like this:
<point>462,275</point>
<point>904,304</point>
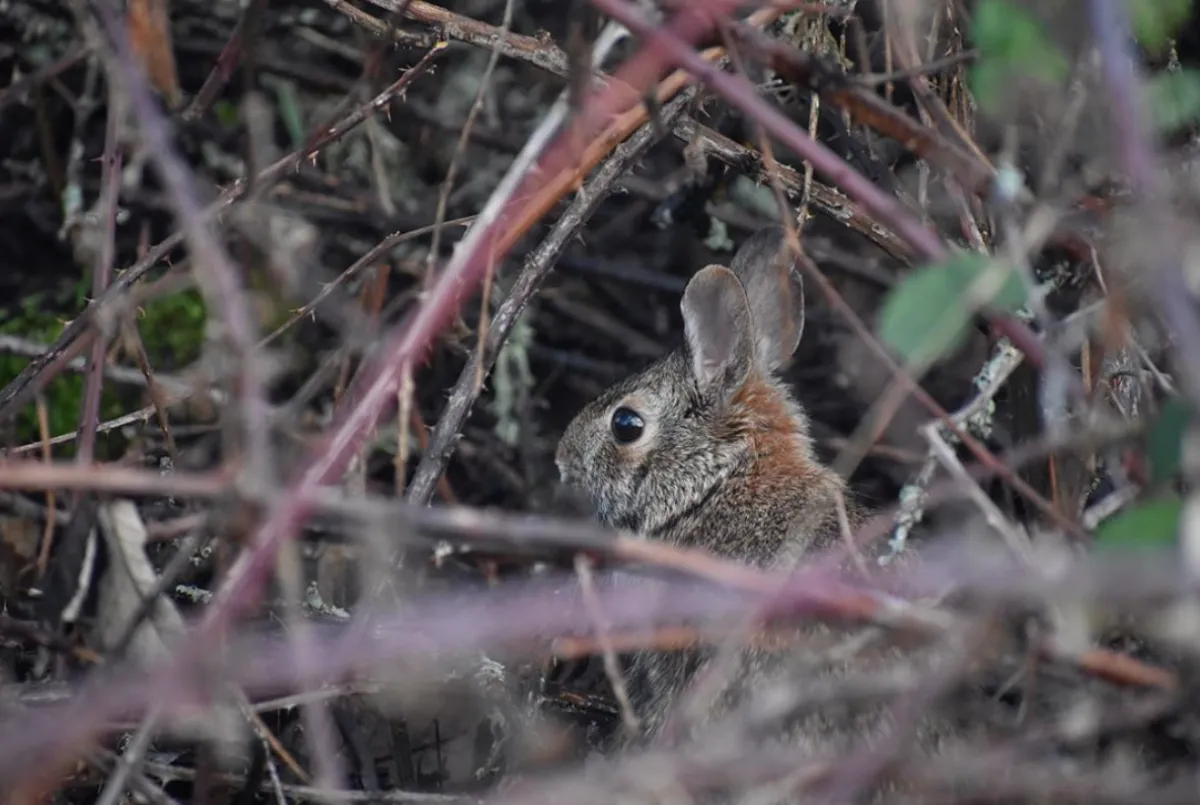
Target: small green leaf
<point>1151,524</point>
<point>1174,98</point>
<point>1154,22</point>
<point>289,111</point>
<point>1164,440</point>
<point>987,80</point>
<point>226,113</point>
<point>928,314</point>
<point>1011,44</point>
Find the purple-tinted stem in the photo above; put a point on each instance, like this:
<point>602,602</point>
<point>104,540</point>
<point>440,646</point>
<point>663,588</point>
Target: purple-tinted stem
<point>521,617</point>
<point>110,187</point>
<point>1110,27</point>
<point>1111,30</point>
<point>510,618</point>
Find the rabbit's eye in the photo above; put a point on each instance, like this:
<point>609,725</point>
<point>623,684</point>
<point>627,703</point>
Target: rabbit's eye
<point>627,426</point>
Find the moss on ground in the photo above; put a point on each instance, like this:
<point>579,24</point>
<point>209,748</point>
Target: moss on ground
<point>172,329</point>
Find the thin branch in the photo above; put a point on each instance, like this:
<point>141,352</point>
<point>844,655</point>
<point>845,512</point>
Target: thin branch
<point>825,198</point>
<point>38,475</point>
<point>612,667</point>
<point>110,184</point>
<point>464,29</point>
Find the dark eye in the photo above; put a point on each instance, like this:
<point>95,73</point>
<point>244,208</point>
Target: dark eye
<point>627,426</point>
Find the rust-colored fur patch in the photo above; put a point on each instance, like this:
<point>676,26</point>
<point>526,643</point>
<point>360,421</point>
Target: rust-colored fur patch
<point>761,413</point>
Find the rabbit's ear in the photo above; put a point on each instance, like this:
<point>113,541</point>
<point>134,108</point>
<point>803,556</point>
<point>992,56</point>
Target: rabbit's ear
<point>717,324</point>
<point>767,270</point>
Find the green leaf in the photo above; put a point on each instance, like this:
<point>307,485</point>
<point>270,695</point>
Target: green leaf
<point>226,113</point>
<point>928,314</point>
<point>1164,440</point>
<point>1154,22</point>
<point>1174,98</point>
<point>1004,30</point>
<point>289,111</point>
<point>987,81</point>
<point>1151,524</point>
<point>1012,44</point>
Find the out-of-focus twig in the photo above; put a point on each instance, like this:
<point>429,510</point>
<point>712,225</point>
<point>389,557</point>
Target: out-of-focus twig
<point>513,616</point>
<point>16,91</point>
<point>36,475</point>
<point>464,137</point>
<point>1110,27</point>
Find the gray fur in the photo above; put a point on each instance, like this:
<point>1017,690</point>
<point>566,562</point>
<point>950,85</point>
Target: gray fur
<point>725,463</point>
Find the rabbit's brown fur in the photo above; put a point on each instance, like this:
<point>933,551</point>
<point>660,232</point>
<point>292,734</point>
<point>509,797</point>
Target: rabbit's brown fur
<point>724,462</point>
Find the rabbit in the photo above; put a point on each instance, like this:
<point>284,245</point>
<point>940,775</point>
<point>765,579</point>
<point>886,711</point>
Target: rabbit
<point>707,448</point>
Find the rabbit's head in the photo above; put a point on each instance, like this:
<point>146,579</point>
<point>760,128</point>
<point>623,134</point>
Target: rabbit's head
<point>707,438</point>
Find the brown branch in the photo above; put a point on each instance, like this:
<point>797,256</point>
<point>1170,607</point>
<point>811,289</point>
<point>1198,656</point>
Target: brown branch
<point>540,52</point>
